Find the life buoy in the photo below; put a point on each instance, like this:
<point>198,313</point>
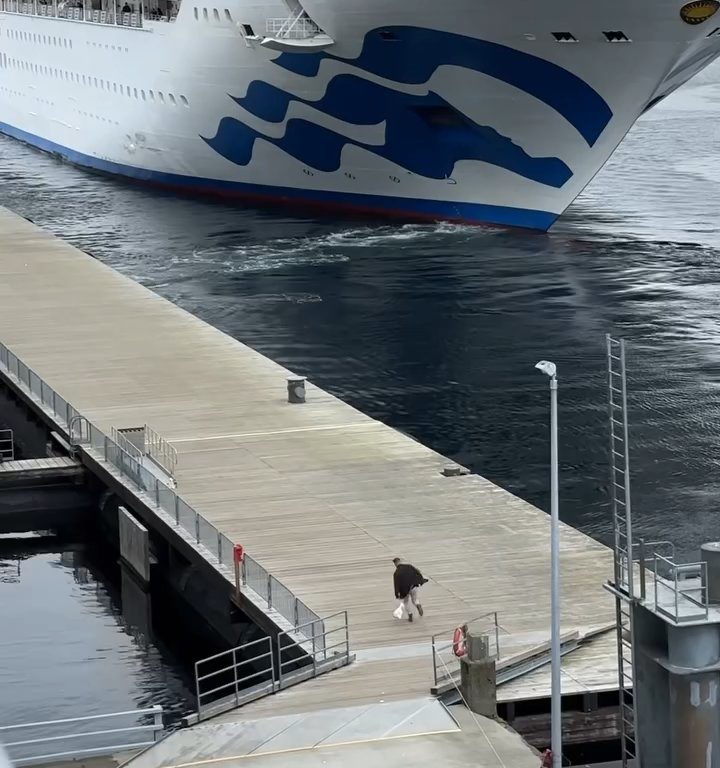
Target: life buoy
<point>459,648</point>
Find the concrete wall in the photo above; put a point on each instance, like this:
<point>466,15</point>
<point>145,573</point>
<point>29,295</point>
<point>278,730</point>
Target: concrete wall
<point>134,544</point>
<point>652,690</point>
<point>136,605</point>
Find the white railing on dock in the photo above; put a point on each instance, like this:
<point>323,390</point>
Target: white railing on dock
<point>81,737</point>
<point>217,547</point>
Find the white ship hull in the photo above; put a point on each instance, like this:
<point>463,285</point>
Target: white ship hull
<point>462,110</point>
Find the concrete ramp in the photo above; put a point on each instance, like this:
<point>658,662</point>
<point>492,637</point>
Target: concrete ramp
<point>225,742</point>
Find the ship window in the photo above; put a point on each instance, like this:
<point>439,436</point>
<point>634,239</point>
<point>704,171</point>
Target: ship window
<point>216,14</point>
<point>205,14</point>
<point>171,98</point>
<point>228,16</point>
<point>161,97</point>
<point>386,34</point>
<point>152,95</point>
<point>564,37</point>
<point>248,30</point>
<point>135,91</point>
<point>128,90</point>
<point>95,82</point>
<point>195,13</point>
<point>184,100</point>
<point>142,93</point>
<point>617,37</point>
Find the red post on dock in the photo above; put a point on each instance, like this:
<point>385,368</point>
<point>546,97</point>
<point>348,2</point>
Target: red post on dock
<point>238,556</point>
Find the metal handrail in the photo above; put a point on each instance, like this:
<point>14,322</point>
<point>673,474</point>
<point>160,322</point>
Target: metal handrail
<point>643,547</point>
<point>74,422</point>
<point>680,592</point>
<point>236,685</point>
<point>270,666</point>
<point>110,747</point>
<point>82,432</point>
<point>302,643</point>
<point>497,626</point>
<point>439,643</point>
<point>157,710</point>
<point>127,446</point>
<point>297,27</point>
<point>160,450</point>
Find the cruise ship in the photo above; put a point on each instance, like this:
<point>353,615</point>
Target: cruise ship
<point>486,111</point>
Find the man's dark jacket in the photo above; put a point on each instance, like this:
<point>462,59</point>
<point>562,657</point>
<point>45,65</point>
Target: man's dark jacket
<point>406,577</point>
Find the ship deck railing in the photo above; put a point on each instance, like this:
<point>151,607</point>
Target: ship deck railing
<point>80,13</point>
<point>292,28</point>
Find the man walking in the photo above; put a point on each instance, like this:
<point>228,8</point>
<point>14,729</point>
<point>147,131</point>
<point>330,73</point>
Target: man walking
<point>408,580</point>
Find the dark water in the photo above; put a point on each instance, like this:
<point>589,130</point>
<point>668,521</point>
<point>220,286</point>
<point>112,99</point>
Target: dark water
<point>435,329</point>
<point>70,643</point>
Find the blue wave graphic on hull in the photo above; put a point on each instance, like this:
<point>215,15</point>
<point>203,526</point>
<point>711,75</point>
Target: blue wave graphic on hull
<point>423,134</point>
<point>413,54</point>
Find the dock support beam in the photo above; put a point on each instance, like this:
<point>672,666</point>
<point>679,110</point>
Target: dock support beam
<point>694,705</point>
<point>477,676</point>
<point>134,544</point>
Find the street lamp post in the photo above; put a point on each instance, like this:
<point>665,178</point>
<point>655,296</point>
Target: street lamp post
<point>550,369</point>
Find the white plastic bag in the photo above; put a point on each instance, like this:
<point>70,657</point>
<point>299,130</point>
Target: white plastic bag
<point>399,612</point>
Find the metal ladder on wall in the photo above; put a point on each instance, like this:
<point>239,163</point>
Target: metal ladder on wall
<point>622,542</point>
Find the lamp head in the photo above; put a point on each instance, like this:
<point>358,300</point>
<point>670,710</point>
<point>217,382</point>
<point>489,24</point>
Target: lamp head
<point>548,368</point>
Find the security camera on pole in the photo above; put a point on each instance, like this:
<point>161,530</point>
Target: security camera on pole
<point>550,370</point>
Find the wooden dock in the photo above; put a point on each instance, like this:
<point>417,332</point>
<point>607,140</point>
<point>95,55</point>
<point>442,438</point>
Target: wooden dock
<point>319,493</point>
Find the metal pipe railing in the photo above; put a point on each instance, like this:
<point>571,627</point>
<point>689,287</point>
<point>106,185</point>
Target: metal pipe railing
<point>667,576</point>
<point>21,755</point>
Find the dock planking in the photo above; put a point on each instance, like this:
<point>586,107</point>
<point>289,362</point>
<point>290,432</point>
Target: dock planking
<point>322,495</point>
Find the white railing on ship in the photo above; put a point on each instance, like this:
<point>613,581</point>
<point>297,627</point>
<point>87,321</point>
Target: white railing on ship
<point>80,13</point>
<point>294,28</point>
